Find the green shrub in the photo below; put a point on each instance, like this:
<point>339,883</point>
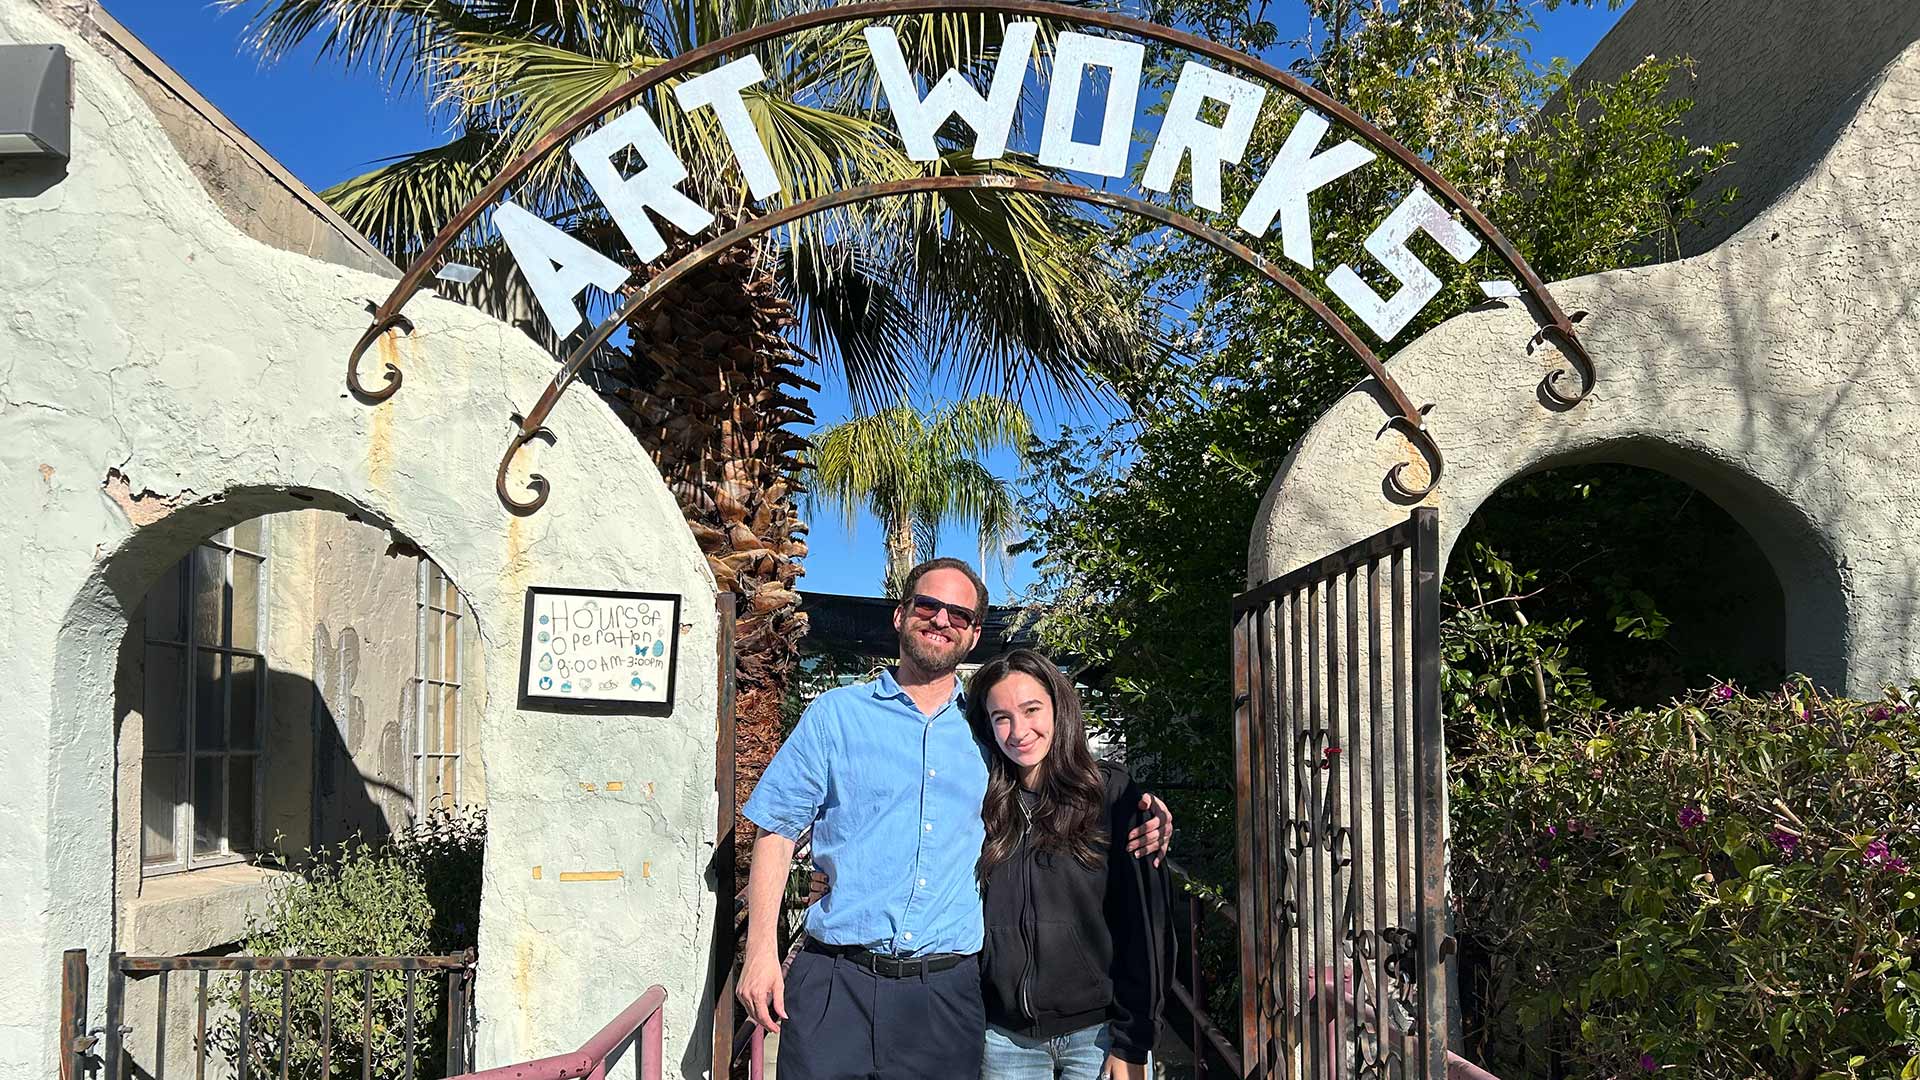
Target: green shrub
<point>414,894</point>
<point>1720,888</point>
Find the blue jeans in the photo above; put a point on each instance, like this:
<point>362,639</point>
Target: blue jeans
<point>1077,1055</point>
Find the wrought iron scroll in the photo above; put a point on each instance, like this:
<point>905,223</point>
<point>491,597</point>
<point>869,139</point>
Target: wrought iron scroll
<point>1341,787</point>
<point>1408,418</point>
<point>1554,324</point>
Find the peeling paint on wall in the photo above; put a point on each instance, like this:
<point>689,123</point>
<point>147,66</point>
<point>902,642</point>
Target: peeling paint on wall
<point>143,507</point>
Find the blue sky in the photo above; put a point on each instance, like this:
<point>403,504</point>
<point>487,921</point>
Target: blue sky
<point>326,126</point>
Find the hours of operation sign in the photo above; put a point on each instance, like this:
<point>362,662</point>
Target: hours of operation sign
<point>597,650</point>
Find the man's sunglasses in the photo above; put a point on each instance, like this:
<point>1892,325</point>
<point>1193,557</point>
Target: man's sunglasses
<point>961,618</point>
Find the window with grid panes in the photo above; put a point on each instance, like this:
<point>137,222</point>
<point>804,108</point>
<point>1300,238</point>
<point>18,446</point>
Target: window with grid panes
<point>203,707</point>
<point>437,739</point>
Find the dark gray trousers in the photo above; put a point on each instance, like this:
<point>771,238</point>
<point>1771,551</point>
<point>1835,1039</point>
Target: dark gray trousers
<point>846,1023</point>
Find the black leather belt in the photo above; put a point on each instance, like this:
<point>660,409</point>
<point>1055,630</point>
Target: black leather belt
<point>887,966</point>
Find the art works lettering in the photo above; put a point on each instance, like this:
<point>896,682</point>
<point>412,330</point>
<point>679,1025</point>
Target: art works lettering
<point>1209,122</point>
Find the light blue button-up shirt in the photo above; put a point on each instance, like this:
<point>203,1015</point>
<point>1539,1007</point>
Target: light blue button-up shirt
<point>893,796</point>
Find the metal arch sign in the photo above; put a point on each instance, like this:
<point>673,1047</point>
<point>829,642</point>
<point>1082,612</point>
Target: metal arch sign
<point>558,267</point>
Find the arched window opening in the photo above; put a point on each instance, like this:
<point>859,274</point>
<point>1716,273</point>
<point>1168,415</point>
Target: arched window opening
<point>299,679</point>
<point>1605,583</point>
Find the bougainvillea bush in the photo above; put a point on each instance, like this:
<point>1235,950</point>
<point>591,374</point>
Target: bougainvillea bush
<point>1722,888</point>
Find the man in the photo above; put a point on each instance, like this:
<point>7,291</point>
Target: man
<point>890,778</point>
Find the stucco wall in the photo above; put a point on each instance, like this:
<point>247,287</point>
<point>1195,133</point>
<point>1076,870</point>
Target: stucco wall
<point>163,376</point>
<point>1777,77</point>
<point>253,191</point>
<point>1773,373</point>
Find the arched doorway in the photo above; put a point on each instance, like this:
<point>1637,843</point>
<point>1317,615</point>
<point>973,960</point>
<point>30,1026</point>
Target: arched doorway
<point>300,689</point>
<point>1639,580</point>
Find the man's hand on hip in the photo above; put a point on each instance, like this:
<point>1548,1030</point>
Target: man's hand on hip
<point>1155,835</point>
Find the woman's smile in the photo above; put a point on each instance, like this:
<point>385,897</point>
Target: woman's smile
<point>1021,710</point>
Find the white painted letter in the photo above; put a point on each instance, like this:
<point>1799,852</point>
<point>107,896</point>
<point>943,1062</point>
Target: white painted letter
<point>1074,54</point>
<point>653,186</point>
<point>991,117</point>
<point>721,88</point>
<point>1388,243</point>
<point>1297,173</point>
<point>1184,131</point>
<point>555,265</point>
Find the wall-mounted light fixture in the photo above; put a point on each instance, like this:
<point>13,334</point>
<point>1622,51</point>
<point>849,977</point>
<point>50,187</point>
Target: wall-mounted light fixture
<point>36,102</point>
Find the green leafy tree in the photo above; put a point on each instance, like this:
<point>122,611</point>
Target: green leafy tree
<point>1141,527</point>
<point>919,471</point>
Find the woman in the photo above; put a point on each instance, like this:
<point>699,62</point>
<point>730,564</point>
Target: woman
<point>1076,959</point>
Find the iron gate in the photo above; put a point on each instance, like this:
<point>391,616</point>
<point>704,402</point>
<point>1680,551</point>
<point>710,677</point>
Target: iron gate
<point>1341,782</point>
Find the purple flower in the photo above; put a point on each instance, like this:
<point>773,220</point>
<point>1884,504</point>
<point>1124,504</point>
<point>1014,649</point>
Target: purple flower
<point>1647,1064</point>
<point>1543,862</point>
<point>1879,713</point>
<point>1723,692</point>
<point>1786,841</point>
<point>1691,816</point>
<point>1553,830</point>
<point>1879,855</point>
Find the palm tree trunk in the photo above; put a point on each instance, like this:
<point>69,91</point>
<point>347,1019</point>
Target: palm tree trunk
<point>899,551</point>
<point>710,390</point>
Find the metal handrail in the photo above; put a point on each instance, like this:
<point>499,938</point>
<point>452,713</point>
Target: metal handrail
<point>643,1017</point>
<point>457,968</point>
<point>1202,1033</point>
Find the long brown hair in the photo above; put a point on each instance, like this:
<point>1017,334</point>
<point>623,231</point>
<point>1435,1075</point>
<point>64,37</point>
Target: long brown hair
<point>1071,816</point>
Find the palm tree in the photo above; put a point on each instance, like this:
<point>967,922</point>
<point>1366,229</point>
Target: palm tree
<point>916,472</point>
<point>1005,287</point>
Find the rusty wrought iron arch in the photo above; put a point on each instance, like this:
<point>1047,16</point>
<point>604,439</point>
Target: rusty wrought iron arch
<point>1410,420</point>
<point>1554,324</point>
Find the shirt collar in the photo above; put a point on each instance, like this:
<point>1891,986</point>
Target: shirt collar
<point>886,686</point>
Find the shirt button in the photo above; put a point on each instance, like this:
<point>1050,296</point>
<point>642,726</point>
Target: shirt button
<point>928,826</point>
<point>933,772</point>
<point>923,883</point>
<point>908,935</point>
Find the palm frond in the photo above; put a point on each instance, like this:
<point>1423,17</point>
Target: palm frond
<point>857,323</point>
<point>401,205</point>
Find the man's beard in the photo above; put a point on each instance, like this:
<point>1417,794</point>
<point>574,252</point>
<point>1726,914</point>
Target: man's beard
<point>930,658</point>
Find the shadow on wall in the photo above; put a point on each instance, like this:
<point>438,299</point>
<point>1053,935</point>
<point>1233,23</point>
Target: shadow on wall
<point>30,178</point>
<point>345,800</point>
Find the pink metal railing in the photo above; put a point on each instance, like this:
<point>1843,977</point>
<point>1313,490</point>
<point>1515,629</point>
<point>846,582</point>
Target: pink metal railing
<point>591,1060</point>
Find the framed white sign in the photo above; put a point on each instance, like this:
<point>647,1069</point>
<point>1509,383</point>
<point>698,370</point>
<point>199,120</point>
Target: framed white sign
<point>598,650</point>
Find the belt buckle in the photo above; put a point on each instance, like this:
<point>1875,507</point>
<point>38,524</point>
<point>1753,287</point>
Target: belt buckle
<point>893,966</point>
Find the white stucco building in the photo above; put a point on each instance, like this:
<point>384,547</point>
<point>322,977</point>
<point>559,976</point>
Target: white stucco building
<point>252,613</point>
<point>1769,368</point>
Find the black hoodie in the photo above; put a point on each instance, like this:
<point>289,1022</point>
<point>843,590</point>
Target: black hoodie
<point>1068,947</point>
